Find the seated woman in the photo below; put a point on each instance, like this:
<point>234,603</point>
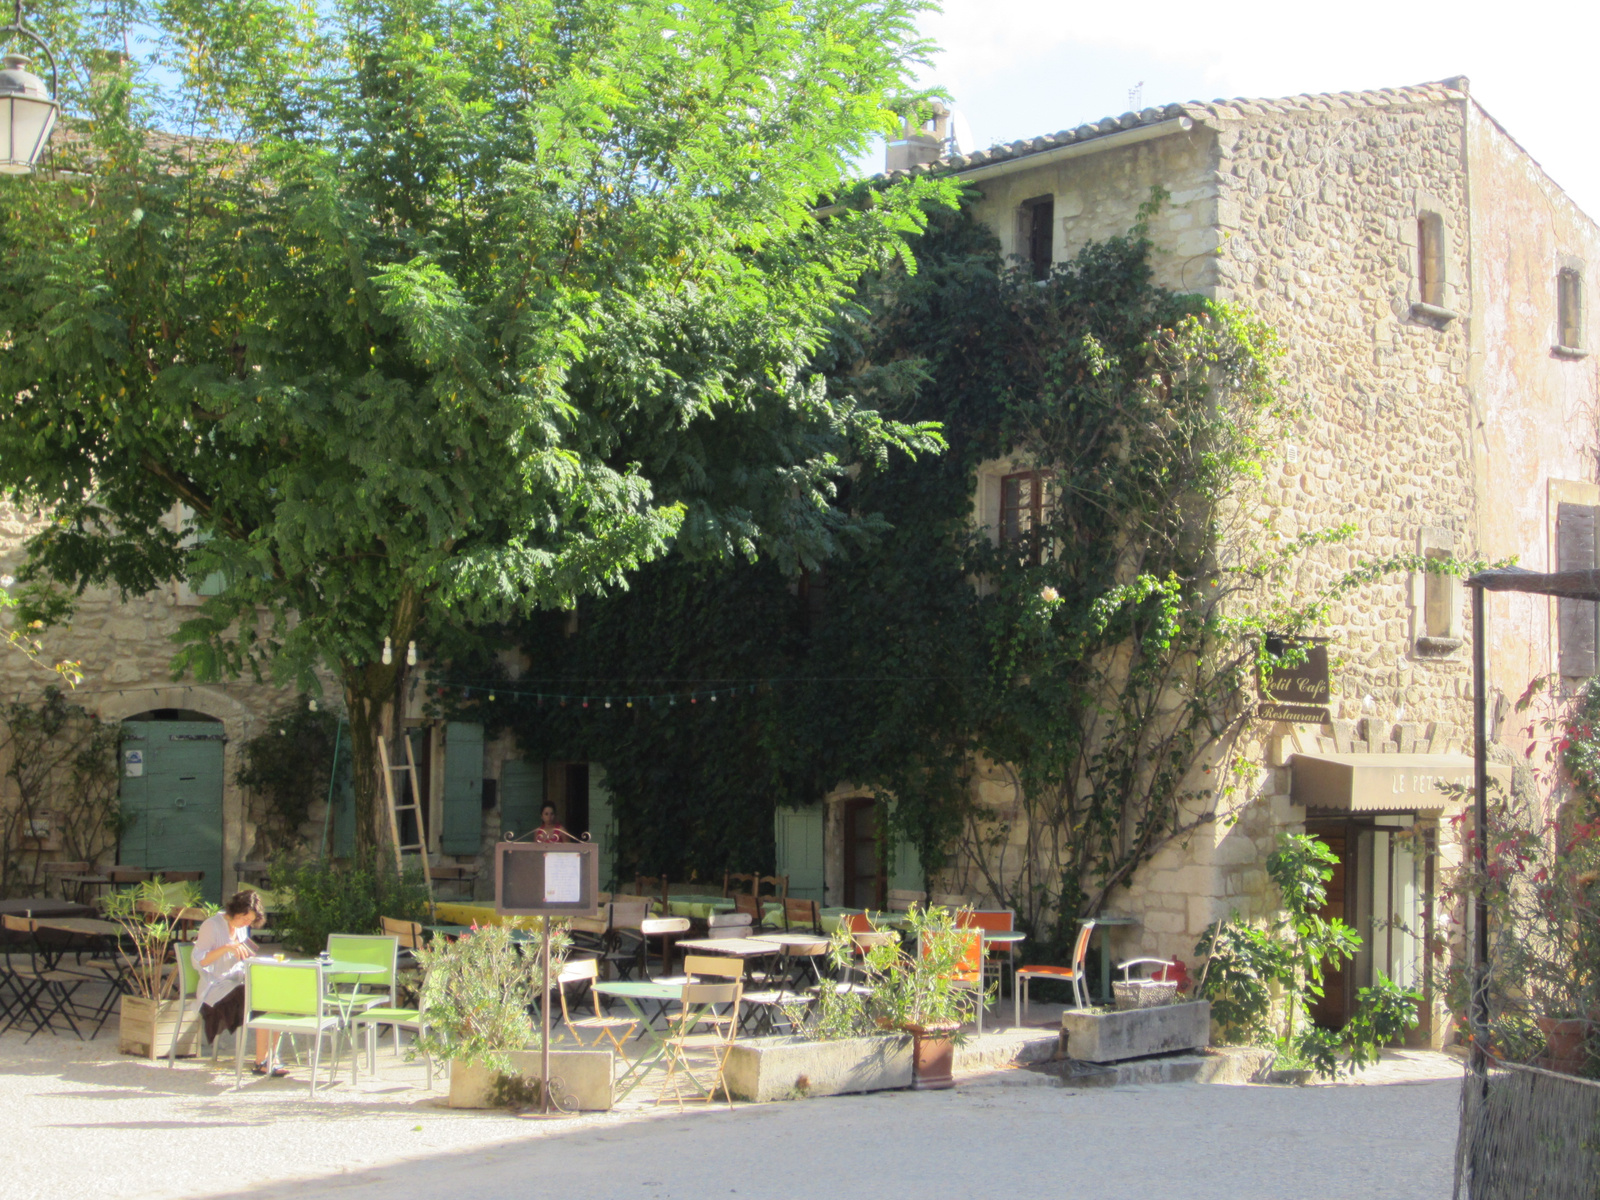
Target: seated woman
<point>221,946</point>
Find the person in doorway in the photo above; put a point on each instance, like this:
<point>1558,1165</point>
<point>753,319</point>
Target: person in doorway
<point>550,829</point>
<point>221,947</point>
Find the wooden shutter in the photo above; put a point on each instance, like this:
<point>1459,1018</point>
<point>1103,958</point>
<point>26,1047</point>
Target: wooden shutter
<point>521,796</point>
<point>603,826</point>
<point>1576,619</point>
<point>798,832</point>
<point>462,830</point>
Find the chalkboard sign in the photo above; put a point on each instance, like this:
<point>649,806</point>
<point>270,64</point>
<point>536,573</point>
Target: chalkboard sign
<point>535,879</point>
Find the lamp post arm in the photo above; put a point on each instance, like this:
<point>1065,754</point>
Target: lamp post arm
<point>18,27</point>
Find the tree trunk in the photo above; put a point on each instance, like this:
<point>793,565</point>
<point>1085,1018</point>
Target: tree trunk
<point>373,700</point>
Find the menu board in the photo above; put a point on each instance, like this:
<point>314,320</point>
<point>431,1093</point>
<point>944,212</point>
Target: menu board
<point>546,879</point>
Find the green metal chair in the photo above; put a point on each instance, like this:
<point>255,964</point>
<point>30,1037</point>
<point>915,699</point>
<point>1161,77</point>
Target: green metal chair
<point>378,950</point>
<point>284,998</point>
<point>188,995</point>
<point>400,1018</point>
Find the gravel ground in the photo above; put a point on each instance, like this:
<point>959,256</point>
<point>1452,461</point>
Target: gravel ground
<point>82,1121</point>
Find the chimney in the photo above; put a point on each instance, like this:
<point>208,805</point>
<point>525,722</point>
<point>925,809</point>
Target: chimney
<point>925,144</point>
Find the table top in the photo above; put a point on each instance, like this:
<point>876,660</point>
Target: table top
<point>1004,936</point>
<point>638,990</point>
<point>41,907</point>
<point>794,939</point>
<point>85,925</point>
<point>333,967</point>
<point>739,947</point>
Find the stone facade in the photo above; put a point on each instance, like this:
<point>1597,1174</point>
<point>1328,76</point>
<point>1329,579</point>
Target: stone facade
<point>1433,415</point>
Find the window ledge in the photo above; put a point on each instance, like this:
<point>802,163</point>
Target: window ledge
<point>1568,352</point>
<point>1438,647</point>
<point>1432,314</point>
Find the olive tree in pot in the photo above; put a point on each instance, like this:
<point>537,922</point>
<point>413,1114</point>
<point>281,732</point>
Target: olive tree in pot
<point>477,995</point>
<point>929,987</point>
<point>149,1018</point>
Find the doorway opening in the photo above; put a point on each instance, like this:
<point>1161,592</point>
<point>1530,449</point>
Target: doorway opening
<point>864,885</point>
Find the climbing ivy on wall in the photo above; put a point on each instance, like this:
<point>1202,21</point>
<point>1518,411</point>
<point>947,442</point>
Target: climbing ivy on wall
<point>1101,659</point>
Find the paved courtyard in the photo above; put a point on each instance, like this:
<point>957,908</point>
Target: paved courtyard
<point>84,1122</point>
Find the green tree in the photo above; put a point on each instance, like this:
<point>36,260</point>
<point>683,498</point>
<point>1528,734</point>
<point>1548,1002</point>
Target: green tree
<point>436,312</point>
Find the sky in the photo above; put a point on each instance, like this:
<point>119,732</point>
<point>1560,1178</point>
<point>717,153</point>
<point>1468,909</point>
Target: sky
<point>1020,68</point>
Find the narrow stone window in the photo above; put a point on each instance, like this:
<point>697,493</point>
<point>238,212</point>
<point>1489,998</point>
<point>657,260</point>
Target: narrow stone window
<point>1569,309</point>
<point>1430,259</point>
<point>1037,227</point>
<point>1439,599</point>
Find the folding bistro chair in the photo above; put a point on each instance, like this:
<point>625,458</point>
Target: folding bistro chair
<point>42,991</point>
<point>586,972</point>
<point>625,937</point>
<point>284,998</point>
<point>1073,974</point>
<point>803,916</point>
<point>747,904</point>
<point>698,1004</point>
<point>902,900</point>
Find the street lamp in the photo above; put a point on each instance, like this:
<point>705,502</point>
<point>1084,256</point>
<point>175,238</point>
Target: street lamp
<point>27,110</point>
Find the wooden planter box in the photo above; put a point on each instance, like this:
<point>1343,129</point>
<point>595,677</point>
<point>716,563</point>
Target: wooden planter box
<point>1105,1037</point>
<point>584,1078</point>
<point>147,1028</point>
<point>791,1068</point>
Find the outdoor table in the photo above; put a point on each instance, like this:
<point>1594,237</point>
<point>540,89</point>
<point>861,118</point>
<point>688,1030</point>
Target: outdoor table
<point>631,993</point>
<point>87,926</point>
<point>699,907</point>
<point>344,1002</point>
<point>801,950</point>
<point>40,907</point>
<point>1102,922</point>
<point>734,947</point>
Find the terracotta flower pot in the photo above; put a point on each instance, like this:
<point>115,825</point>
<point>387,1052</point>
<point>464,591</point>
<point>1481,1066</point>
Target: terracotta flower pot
<point>933,1051</point>
<point>1563,1042</point>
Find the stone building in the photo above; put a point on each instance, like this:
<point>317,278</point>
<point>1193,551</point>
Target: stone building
<point>1427,281</point>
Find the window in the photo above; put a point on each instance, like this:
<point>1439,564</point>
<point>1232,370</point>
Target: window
<point>1023,506</point>
<point>1430,259</point>
<point>1439,598</point>
<point>1569,309</point>
<point>1576,626</point>
<point>1038,235</point>
<point>1436,597</point>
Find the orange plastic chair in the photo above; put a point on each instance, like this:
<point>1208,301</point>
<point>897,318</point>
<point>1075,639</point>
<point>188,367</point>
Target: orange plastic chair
<point>1073,974</point>
<point>1000,955</point>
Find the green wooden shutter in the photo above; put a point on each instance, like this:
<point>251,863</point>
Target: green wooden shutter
<point>798,832</point>
<point>603,826</point>
<point>521,796</point>
<point>462,831</point>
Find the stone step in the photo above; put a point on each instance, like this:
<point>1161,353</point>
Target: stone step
<point>1234,1064</point>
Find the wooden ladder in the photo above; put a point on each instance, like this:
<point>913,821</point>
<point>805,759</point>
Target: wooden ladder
<point>396,810</point>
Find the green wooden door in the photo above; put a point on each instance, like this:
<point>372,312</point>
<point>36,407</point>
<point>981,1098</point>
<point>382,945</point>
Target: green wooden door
<point>798,832</point>
<point>172,777</point>
<point>462,831</point>
<point>521,797</point>
<point>603,826</point>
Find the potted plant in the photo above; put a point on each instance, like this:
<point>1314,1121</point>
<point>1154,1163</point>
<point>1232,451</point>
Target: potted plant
<point>478,992</point>
<point>148,1019</point>
<point>921,987</point>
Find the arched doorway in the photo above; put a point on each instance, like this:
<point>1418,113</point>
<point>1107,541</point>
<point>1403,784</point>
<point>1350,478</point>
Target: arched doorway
<point>172,782</point>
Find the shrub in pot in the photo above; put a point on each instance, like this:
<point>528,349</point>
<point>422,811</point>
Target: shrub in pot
<point>478,992</point>
<point>148,1013</point>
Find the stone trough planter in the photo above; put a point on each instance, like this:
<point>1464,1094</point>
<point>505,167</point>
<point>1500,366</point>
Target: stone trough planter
<point>791,1068</point>
<point>1107,1037</point>
<point>584,1078</point>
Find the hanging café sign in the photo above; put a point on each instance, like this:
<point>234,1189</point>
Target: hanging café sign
<point>1299,691</point>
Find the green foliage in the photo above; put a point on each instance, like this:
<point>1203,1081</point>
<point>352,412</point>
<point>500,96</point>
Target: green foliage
<point>61,767</point>
<point>438,312</point>
<point>287,767</point>
<point>478,990</point>
<point>1245,963</point>
<point>147,913</point>
<point>1242,962</point>
<point>319,897</point>
<point>915,982</point>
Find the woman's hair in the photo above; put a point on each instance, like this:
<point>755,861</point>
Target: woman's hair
<point>246,902</point>
<point>546,805</point>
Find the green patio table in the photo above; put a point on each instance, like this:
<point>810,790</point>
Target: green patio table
<point>631,992</point>
<point>344,1002</point>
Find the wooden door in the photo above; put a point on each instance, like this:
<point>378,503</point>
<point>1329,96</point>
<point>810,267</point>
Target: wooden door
<point>863,865</point>
<point>175,800</point>
<point>1333,1010</point>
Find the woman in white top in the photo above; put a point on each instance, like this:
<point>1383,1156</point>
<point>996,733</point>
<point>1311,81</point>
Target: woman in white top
<point>221,948</point>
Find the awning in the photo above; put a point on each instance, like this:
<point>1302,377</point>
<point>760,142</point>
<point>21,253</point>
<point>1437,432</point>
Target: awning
<point>1383,782</point>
